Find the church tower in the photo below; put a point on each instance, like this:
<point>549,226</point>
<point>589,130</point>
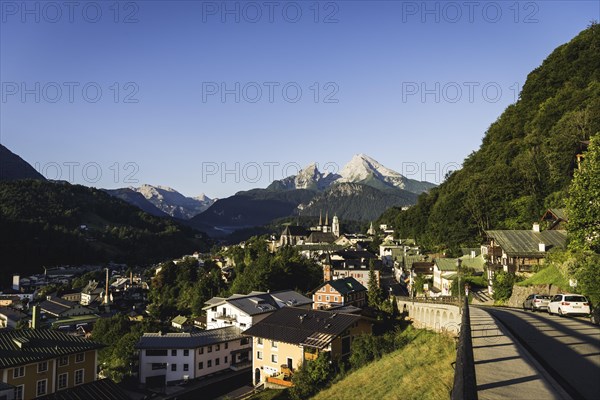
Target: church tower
<point>335,226</point>
<point>326,227</point>
<point>371,231</point>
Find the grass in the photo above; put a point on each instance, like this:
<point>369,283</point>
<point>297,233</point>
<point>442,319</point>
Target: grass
<point>419,370</point>
<point>549,275</point>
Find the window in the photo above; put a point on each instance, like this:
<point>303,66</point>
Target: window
<point>225,360</point>
<point>244,341</point>
<point>79,377</point>
<point>210,349</point>
<point>274,358</point>
<point>41,387</point>
<point>174,353</point>
<point>63,380</point>
<point>213,309</point>
<point>226,345</point>
<point>201,350</point>
<point>331,289</point>
<point>79,357</point>
<point>327,298</point>
<point>186,353</point>
<point>209,364</point>
<point>201,365</point>
<point>217,361</point>
<point>260,341</point>
<point>65,360</point>
<point>18,372</point>
<point>273,344</point>
<point>259,355</point>
<point>319,297</point>
<point>173,367</point>
<point>19,392</point>
<point>186,367</point>
<point>335,299</point>
<point>156,366</point>
<point>218,347</point>
<point>43,366</point>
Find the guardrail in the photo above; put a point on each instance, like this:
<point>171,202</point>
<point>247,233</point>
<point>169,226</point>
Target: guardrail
<point>465,382</point>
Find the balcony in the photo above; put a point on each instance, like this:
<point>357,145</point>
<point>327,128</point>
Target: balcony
<point>226,317</point>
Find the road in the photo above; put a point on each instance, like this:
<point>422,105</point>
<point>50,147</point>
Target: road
<point>567,348</point>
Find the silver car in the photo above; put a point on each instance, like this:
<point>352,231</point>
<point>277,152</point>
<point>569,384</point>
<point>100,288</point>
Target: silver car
<point>536,302</point>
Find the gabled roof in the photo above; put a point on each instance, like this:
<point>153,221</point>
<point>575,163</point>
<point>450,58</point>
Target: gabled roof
<point>56,305</point>
<point>525,243</point>
<point>104,389</point>
<point>12,314</point>
<point>422,267</point>
<point>256,303</point>
<point>290,298</point>
<point>180,320</point>
<point>26,346</point>
<point>355,254</point>
<point>556,213</point>
<point>298,326</point>
<point>344,286</point>
<point>321,237</point>
<point>189,340</point>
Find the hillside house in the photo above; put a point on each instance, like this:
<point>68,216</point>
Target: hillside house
<point>285,339</point>
<point>339,292</point>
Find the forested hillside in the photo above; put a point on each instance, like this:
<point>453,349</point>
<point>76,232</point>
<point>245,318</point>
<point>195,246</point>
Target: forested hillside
<point>526,159</point>
<point>42,226</point>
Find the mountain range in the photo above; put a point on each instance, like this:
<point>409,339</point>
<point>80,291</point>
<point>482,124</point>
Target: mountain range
<point>361,191</point>
<point>162,201</point>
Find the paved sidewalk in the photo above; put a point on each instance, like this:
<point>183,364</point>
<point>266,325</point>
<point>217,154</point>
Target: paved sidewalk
<point>504,369</point>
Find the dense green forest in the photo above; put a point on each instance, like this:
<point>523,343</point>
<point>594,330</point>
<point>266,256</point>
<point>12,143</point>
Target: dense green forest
<point>42,226</point>
<point>527,157</point>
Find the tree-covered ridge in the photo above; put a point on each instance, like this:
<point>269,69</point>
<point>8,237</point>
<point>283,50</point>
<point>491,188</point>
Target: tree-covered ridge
<point>42,226</point>
<point>526,159</point>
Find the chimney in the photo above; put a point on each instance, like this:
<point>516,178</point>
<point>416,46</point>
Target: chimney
<point>35,318</point>
<point>131,278</point>
<point>472,253</point>
<point>536,227</point>
<point>542,247</point>
<point>16,283</point>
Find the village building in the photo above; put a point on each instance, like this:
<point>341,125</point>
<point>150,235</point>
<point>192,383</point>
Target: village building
<point>285,339</point>
<point>339,292</point>
<point>38,362</point>
<point>243,311</point>
<point>177,357</point>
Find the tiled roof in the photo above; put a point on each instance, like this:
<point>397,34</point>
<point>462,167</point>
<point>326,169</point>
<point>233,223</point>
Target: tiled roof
<point>56,305</point>
<point>39,345</point>
<point>12,314</point>
<point>344,286</point>
<point>103,389</point>
<point>188,340</point>
<point>321,237</point>
<point>294,230</point>
<point>299,326</point>
<point>256,303</point>
<point>525,243</point>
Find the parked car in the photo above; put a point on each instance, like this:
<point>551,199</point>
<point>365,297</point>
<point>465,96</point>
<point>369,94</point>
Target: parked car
<point>569,304</point>
<point>536,302</point>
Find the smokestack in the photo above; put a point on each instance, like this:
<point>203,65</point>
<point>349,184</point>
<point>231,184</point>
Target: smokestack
<point>35,318</point>
<point>106,298</point>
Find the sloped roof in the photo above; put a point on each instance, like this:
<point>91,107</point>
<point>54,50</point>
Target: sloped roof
<point>525,243</point>
<point>188,340</point>
<point>256,303</point>
<point>290,298</point>
<point>39,345</point>
<point>344,286</point>
<point>355,254</point>
<point>180,319</point>
<point>321,237</point>
<point>446,264</point>
<point>12,314</point>
<point>293,325</point>
<point>104,389</point>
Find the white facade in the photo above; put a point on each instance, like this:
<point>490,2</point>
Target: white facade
<point>183,363</point>
<point>225,315</point>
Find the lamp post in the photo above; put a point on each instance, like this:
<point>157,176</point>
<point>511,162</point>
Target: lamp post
<point>458,264</point>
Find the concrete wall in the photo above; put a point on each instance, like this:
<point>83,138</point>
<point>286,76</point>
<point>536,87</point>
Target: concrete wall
<point>433,316</point>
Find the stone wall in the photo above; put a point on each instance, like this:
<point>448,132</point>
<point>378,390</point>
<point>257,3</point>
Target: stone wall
<point>444,318</point>
<point>520,293</point>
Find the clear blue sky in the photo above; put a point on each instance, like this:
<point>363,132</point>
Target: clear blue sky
<point>174,58</point>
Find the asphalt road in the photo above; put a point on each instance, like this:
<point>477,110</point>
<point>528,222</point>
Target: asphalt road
<point>567,348</point>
